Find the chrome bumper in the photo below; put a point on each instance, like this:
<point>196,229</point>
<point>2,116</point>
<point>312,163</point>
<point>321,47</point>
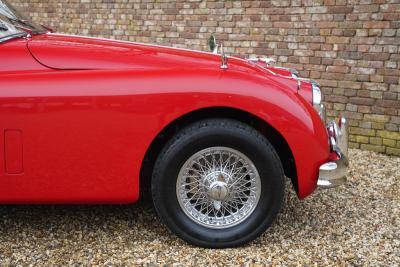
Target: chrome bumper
<point>333,173</point>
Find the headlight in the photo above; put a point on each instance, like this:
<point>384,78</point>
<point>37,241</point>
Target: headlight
<point>317,101</point>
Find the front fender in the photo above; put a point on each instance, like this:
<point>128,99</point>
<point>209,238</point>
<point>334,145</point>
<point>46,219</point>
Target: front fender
<point>277,104</point>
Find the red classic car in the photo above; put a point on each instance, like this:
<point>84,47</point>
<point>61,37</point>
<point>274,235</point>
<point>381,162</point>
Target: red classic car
<point>89,120</point>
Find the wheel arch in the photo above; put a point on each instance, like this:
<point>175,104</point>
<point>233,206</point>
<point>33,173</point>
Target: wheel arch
<point>274,137</point>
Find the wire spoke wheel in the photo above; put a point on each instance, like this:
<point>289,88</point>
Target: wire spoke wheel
<point>218,187</point>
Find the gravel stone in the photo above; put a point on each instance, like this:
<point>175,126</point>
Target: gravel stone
<point>355,224</point>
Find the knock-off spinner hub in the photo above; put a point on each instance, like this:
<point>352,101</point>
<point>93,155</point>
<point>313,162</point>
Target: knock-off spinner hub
<point>218,187</point>
<point>218,190</point>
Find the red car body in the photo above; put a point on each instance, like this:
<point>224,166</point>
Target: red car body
<point>79,115</point>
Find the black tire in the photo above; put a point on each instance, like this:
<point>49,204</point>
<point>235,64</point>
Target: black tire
<point>210,133</point>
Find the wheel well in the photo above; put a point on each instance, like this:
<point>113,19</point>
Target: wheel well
<point>273,136</point>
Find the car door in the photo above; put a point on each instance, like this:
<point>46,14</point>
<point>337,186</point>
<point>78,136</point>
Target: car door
<point>15,63</point>
<point>61,140</point>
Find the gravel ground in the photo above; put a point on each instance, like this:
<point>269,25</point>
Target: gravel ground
<point>356,224</point>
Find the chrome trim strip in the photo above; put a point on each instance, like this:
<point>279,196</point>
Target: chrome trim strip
<point>15,35</point>
<point>130,42</point>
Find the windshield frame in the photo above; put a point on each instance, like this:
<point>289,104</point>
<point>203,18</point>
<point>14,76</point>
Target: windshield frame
<point>17,24</point>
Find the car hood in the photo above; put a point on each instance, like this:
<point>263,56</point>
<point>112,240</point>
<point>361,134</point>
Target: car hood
<point>68,52</point>
<point>75,52</point>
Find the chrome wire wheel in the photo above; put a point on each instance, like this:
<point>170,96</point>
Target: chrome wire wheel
<point>218,187</point>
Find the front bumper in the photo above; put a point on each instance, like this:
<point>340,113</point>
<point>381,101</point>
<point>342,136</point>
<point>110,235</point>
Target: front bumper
<point>333,173</point>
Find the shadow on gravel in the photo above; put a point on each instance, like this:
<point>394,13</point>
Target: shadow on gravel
<point>72,217</point>
<point>41,220</point>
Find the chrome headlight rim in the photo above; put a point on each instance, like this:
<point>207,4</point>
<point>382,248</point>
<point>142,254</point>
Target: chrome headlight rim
<point>317,101</point>
<point>316,95</point>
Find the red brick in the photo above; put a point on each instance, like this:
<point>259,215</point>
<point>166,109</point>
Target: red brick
<point>340,9</point>
<point>328,54</point>
<point>341,69</point>
<point>337,40</point>
<point>390,96</point>
<point>391,79</point>
<point>349,84</point>
<point>336,99</point>
<point>366,8</point>
<point>388,103</point>
<point>376,24</point>
<point>376,56</point>
<point>362,101</point>
<point>364,109</point>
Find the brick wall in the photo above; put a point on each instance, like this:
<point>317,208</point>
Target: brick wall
<point>350,46</point>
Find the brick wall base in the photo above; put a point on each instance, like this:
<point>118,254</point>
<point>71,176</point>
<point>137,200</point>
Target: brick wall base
<point>350,46</point>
